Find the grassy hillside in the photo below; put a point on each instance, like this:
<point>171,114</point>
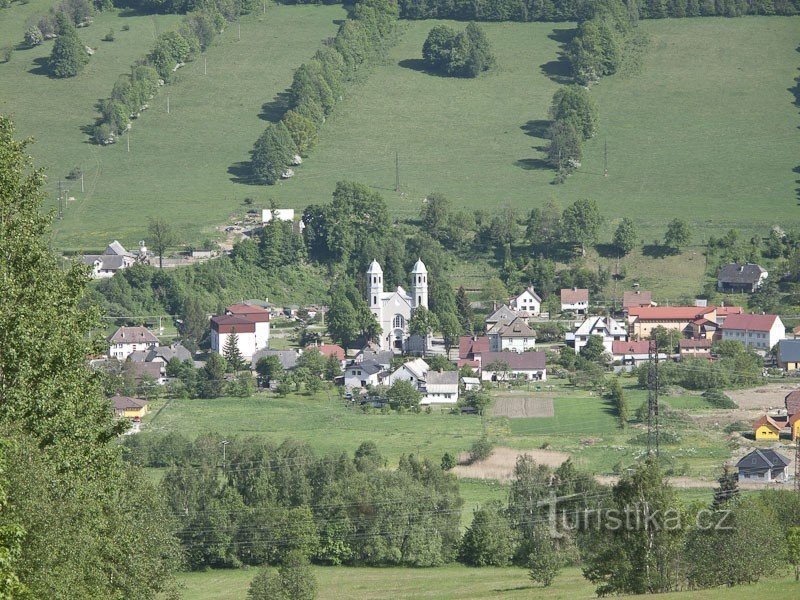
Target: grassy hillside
<point>454,581</point>
<point>178,162</point>
<point>707,130</point>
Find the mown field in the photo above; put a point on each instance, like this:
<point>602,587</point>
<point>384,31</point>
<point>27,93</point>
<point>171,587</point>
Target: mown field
<point>453,582</point>
<point>178,163</point>
<point>706,130</point>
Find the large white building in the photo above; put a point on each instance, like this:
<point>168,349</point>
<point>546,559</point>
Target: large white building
<point>393,310</point>
<point>113,259</point>
<point>607,328</point>
<point>127,340</point>
<point>757,332</point>
<point>250,325</point>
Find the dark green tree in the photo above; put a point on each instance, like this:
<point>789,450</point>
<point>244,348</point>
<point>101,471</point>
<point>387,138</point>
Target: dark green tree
<point>68,57</point>
<point>594,350</point>
<point>233,356</point>
<point>580,223</point>
<point>465,313</point>
<point>294,580</point>
<point>617,397</point>
<point>403,394</point>
<point>423,323</point>
<point>564,149</point>
<point>489,540</point>
<point>625,237</point>
<point>678,234</point>
<point>272,152</point>
<point>269,368</point>
<point>212,376</point>
<point>574,105</point>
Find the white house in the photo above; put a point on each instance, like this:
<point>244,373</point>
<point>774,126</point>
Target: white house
<point>503,366</point>
<point>362,374</point>
<point>113,259</point>
<point>575,300</point>
<point>757,332</point>
<point>393,310</point>
<point>282,214</point>
<point>471,383</point>
<point>127,340</point>
<point>528,301</point>
<point>441,387</point>
<point>500,315</point>
<point>516,336</point>
<point>610,330</point>
<point>250,325</point>
<point>413,371</point>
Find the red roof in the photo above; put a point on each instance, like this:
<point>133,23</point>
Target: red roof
<point>696,343</point>
<point>249,311</point>
<point>767,420</point>
<point>329,350</point>
<point>619,347</point>
<point>750,322</point>
<point>639,298</point>
<point>573,295</point>
<point>724,311</point>
<point>229,323</point>
<point>792,402</point>
<point>469,346</point>
<point>794,418</point>
<point>669,313</point>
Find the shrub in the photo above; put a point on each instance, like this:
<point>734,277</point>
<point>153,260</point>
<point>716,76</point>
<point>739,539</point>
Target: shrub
<point>480,450</point>
<point>109,37</point>
<point>718,399</point>
<point>6,53</point>
<point>33,36</point>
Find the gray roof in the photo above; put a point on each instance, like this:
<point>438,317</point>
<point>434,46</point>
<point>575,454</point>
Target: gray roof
<point>176,350</point>
<point>740,273</point>
<point>789,351</point>
<point>108,262</point>
<point>368,366</point>
<point>115,248</point>
<point>760,460</point>
<point>441,378</point>
<point>288,358</point>
<point>501,314</point>
<point>139,356</point>
<point>133,335</point>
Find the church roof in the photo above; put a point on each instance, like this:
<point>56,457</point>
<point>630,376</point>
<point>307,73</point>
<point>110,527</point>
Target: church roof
<point>374,267</point>
<point>419,267</point>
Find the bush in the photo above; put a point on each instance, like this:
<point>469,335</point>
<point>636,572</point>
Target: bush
<point>109,37</point>
<point>6,53</point>
<point>480,450</point>
<point>33,36</point>
<point>102,134</point>
<point>718,400</point>
<point>126,27</point>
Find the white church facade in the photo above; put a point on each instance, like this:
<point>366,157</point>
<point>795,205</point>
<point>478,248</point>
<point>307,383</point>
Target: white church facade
<point>393,310</point>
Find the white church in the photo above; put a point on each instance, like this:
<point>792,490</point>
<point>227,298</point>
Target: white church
<point>393,310</point>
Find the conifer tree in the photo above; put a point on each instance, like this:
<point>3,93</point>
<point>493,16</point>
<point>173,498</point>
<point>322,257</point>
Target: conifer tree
<point>232,353</point>
<point>68,57</point>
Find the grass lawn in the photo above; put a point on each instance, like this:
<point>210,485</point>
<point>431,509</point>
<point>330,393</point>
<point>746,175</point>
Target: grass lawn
<point>178,163</point>
<point>325,424</point>
<point>707,130</point>
<point>452,582</point>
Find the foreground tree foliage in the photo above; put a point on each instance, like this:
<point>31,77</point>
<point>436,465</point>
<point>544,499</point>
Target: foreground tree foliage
<point>89,530</point>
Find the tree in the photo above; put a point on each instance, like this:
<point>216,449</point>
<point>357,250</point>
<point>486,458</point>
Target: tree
<point>594,350</point>
<point>580,223</point>
<point>544,562</point>
<point>543,224</point>
<point>435,214</point>
<point>194,320</point>
<point>728,490</point>
<point>625,237</point>
<point>489,540</point>
<point>793,549</point>
<point>302,129</point>
<point>666,339</point>
<point>294,580</point>
<point>448,462</point>
<point>72,496</point>
<point>574,105</point>
<point>403,394</point>
<point>163,237</point>
<point>678,234</point>
<point>451,329</point>
<point>423,323</point>
<point>465,54</point>
<point>477,399</point>
<point>272,152</point>
<point>437,47</point>
<point>341,316</point>
<point>617,397</point>
<point>479,53</point>
<point>33,36</point>
<point>268,368</point>
<point>564,149</point>
<point>212,376</point>
<point>233,356</point>
<point>464,308</point>
<point>494,291</point>
<point>68,57</point>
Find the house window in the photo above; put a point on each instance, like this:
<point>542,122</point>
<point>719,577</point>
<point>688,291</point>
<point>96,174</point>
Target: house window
<point>399,322</point>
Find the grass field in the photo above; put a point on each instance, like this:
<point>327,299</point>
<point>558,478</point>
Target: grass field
<point>453,582</point>
<point>707,130</point>
<point>178,162</point>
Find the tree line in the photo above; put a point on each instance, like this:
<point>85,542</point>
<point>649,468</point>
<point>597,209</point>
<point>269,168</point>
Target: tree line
<point>319,84</point>
<point>577,10</point>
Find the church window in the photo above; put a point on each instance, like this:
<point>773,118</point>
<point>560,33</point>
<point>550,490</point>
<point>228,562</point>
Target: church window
<point>399,322</point>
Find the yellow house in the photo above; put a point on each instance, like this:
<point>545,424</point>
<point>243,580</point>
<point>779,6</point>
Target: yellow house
<point>767,429</point>
<point>130,408</point>
<point>794,425</point>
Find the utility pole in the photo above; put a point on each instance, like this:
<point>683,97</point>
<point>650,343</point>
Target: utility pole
<point>81,181</point>
<point>224,444</point>
<point>60,200</point>
<point>797,464</point>
<point>167,103</point>
<point>652,399</point>
<point>605,159</point>
<point>396,172</point>
<point>205,66</point>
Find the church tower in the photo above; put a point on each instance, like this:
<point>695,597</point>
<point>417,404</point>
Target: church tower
<point>374,284</point>
<point>419,285</point>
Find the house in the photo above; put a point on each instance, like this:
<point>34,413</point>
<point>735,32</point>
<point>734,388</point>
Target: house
<point>609,329</point>
<point>287,358</point>
<point>373,353</point>
<point>789,354</point>
<point>500,315</point>
<point>637,299</point>
<point>471,346</point>
<point>363,373</point>
<point>441,387</point>
<point>766,428</point>
<point>792,402</point>
<point>129,408</point>
<point>413,371</point>
<point>471,383</point>
<point>282,214</point>
<point>515,336</point>
<point>696,322</point>
<point>632,353</point>
<point>328,350</point>
<point>695,348</point>
<point>575,300</point>
<point>113,259</point>
<point>794,426</point>
<point>503,366</point>
<point>162,354</point>
<point>758,332</point>
<point>763,465</point>
<point>528,301</point>
<point>155,372</point>
<point>248,324</point>
<point>393,310</point>
<point>736,277</point>
<point>127,340</point>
